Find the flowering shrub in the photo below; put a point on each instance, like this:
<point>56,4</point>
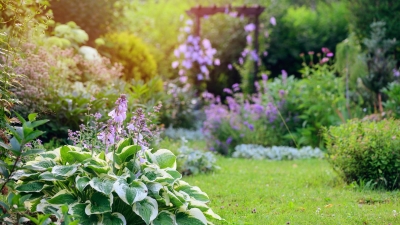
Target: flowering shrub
<point>250,151</point>
<point>115,181</point>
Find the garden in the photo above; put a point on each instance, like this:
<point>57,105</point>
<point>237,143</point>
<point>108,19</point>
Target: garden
<point>159,112</point>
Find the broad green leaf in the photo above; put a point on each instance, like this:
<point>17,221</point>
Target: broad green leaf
<point>175,174</point>
<point>99,166</point>
<point>65,156</point>
<point>122,144</point>
<point>48,155</point>
<point>165,159</point>
<point>127,151</point>
<point>81,182</point>
<point>62,197</point>
<point>30,187</point>
<point>22,174</point>
<point>147,209</point>
<point>46,208</point>
<point>113,219</point>
<point>4,205</point>
<point>174,199</point>
<point>32,117</point>
<point>65,171</point>
<point>80,156</point>
<point>99,204</point>
<point>15,146</point>
<point>212,215</point>
<point>192,191</point>
<point>4,145</point>
<point>48,176</point>
<point>16,132</point>
<point>130,193</point>
<point>197,204</point>
<point>33,135</point>
<point>78,210</point>
<point>38,123</point>
<point>191,217</point>
<point>164,218</point>
<point>103,185</point>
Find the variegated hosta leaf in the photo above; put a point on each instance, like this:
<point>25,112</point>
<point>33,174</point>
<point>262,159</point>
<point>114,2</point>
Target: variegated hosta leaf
<point>66,158</point>
<point>211,214</point>
<point>155,174</point>
<point>127,151</point>
<point>65,171</point>
<point>40,165</point>
<point>122,144</point>
<point>47,208</point>
<point>22,174</point>
<point>62,197</point>
<point>192,216</point>
<point>78,210</point>
<point>165,159</point>
<point>198,204</point>
<point>103,185</point>
<point>49,155</point>
<point>164,218</point>
<point>174,199</point>
<point>99,204</point>
<point>113,219</point>
<point>192,191</point>
<point>147,209</point>
<point>81,182</point>
<point>80,156</point>
<point>31,187</point>
<point>130,193</point>
<point>98,165</point>
<point>175,174</point>
<point>48,176</point>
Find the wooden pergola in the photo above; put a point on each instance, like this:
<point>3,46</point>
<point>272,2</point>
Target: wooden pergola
<point>252,12</point>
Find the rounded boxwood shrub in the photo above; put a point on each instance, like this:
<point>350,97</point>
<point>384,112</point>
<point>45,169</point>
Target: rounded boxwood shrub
<point>366,151</point>
<point>132,53</point>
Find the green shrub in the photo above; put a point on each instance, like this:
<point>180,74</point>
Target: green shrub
<point>132,53</point>
<point>364,151</point>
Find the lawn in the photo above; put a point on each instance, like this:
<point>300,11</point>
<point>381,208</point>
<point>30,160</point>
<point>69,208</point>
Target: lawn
<point>292,192</point>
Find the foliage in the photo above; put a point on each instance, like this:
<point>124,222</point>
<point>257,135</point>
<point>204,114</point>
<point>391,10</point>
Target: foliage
<point>366,12</point>
<point>302,29</point>
<point>379,60</point>
<point>392,105</point>
<point>120,181</point>
<point>276,152</point>
<point>94,16</point>
<point>192,161</point>
<point>66,35</point>
<point>132,53</point>
<point>178,133</point>
<point>366,151</point>
<point>13,152</point>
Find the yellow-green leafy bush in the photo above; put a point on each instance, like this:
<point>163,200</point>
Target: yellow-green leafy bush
<point>364,151</point>
<point>132,53</point>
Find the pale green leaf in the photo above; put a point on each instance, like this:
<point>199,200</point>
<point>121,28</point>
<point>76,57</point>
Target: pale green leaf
<point>40,165</point>
<point>147,209</point>
<point>22,174</point>
<point>99,204</point>
<point>80,156</point>
<point>130,193</point>
<point>78,210</point>
<point>191,217</point>
<point>164,218</point>
<point>65,171</point>
<point>30,187</point>
<point>192,191</point>
<point>81,182</point>
<point>48,176</point>
<point>113,219</point>
<point>165,159</point>
<point>62,197</point>
<point>103,185</point>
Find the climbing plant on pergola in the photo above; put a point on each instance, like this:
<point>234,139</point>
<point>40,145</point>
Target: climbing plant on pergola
<point>252,12</point>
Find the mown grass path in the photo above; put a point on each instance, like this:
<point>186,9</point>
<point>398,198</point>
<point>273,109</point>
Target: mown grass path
<point>292,192</point>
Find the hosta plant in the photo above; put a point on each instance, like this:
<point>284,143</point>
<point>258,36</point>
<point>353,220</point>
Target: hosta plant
<point>125,184</point>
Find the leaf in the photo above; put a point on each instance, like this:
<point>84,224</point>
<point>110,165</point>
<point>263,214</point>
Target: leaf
<point>30,187</point>
<point>15,146</point>
<point>197,204</point>
<point>65,156</point>
<point>113,219</point>
<point>174,199</point>
<point>16,132</point>
<point>122,144</point>
<point>4,145</point>
<point>98,204</point>
<point>80,156</point>
<point>33,135</point>
<point>62,197</point>
<point>78,210</point>
<point>48,155</point>
<point>22,174</point>
<point>65,171</point>
<point>99,166</point>
<point>192,191</point>
<point>191,217</point>
<point>130,193</point>
<point>147,209</point>
<point>33,152</point>
<point>104,185</point>
<point>38,123</point>
<point>81,183</point>
<point>48,176</point>
<point>164,217</point>
<point>127,151</point>
<point>32,117</point>
<point>165,159</point>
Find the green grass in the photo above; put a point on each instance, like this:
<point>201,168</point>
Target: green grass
<point>292,192</point>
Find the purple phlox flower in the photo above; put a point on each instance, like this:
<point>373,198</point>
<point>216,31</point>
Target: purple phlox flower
<point>210,52</point>
<point>284,76</point>
<point>250,27</point>
<point>227,90</point>
<point>257,85</point>
<point>281,93</point>
<point>229,140</point>
<point>248,39</point>
<point>264,77</point>
<point>236,87</point>
<point>251,127</point>
<point>131,127</point>
<point>324,60</point>
<point>329,54</point>
<point>265,53</point>
<point>181,72</point>
<point>396,73</point>
<point>217,62</point>
<point>200,76</point>
<point>175,64</point>
<point>272,20</point>
<point>254,55</point>
<point>226,10</point>
<point>245,52</point>
<point>182,48</point>
<point>325,50</point>
<point>241,61</point>
<point>204,69</point>
<point>183,79</point>
<point>206,43</point>
<point>258,109</point>
<point>230,66</point>
<point>187,29</point>
<point>97,116</point>
<point>177,53</point>
<point>187,64</point>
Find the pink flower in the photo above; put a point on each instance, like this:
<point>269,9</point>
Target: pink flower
<point>175,64</point>
<point>217,62</point>
<point>330,54</point>
<point>265,53</point>
<point>325,50</point>
<point>324,60</point>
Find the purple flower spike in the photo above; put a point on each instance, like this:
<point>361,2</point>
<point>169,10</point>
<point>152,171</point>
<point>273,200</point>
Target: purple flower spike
<point>229,140</point>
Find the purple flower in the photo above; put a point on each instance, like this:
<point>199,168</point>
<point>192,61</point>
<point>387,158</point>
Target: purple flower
<point>230,66</point>
<point>330,54</point>
<point>272,20</point>
<point>248,39</point>
<point>324,60</point>
<point>235,87</point>
<point>217,62</point>
<point>227,90</point>
<point>281,93</point>
<point>97,116</point>
<point>254,55</point>
<point>229,140</point>
<point>396,73</point>
<point>251,127</point>
<point>175,64</point>
<point>240,60</point>
<point>264,77</point>
<point>325,50</point>
<point>250,27</point>
<point>265,53</point>
<point>206,43</point>
<point>183,79</point>
<point>200,76</point>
